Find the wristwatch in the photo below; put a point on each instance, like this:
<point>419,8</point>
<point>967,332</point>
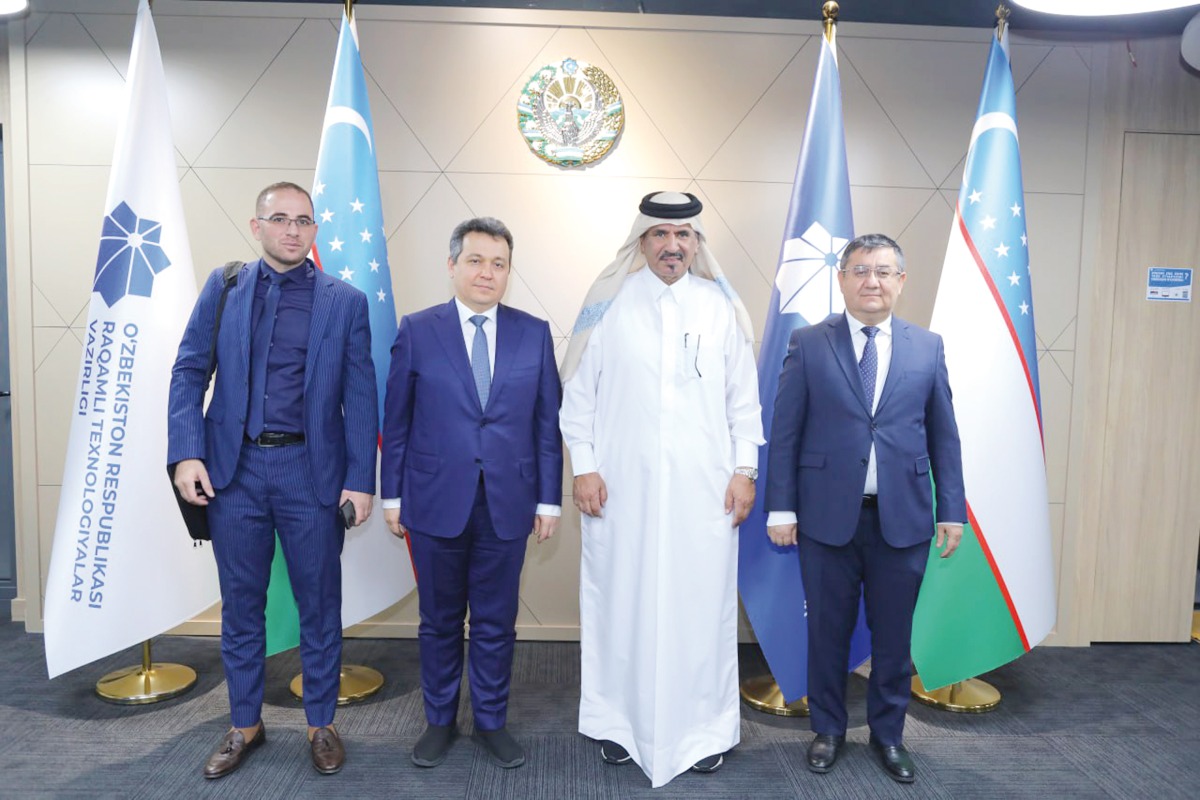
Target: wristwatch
<point>751,473</point>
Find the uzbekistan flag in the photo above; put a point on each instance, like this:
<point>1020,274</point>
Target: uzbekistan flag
<point>352,244</point>
<point>819,225</point>
<point>995,598</point>
<point>122,567</point>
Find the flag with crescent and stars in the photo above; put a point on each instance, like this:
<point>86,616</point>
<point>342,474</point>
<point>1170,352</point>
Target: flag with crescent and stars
<point>995,598</point>
<point>819,225</point>
<point>351,244</point>
<point>122,567</point>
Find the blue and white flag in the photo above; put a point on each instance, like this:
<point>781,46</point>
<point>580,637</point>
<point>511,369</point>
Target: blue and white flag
<point>819,225</point>
<point>352,244</point>
<point>123,568</point>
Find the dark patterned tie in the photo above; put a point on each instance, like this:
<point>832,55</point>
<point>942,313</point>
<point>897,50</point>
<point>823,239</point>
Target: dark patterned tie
<point>260,351</point>
<point>480,367</point>
<point>868,365</point>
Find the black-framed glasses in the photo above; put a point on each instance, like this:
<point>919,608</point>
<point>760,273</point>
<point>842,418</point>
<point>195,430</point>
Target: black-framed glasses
<point>284,221</point>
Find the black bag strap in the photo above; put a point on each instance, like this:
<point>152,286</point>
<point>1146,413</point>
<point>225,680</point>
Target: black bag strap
<point>230,275</point>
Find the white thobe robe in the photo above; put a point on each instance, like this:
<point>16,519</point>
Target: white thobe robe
<point>664,405</point>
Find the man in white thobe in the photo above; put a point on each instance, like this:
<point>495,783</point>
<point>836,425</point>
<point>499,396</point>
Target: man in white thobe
<point>661,416</point>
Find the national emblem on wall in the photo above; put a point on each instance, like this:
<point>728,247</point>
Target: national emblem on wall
<point>570,113</point>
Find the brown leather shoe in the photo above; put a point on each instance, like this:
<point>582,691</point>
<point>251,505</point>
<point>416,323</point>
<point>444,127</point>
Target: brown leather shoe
<point>232,751</point>
<point>328,753</point>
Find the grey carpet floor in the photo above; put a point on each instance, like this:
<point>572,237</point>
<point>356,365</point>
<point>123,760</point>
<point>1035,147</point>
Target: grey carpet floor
<point>1102,722</point>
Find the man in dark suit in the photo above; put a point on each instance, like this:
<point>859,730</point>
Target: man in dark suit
<point>471,465</point>
<point>288,438</point>
<point>862,418</point>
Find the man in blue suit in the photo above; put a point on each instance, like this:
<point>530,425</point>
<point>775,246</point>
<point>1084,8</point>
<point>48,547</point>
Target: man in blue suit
<point>862,418</point>
<point>471,465</point>
<point>289,437</point>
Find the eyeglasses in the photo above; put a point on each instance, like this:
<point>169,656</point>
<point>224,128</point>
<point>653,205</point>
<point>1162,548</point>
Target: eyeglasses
<point>303,223</point>
<point>861,271</point>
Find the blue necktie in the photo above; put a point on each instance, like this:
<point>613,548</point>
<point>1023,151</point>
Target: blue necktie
<point>480,367</point>
<point>868,365</point>
<point>260,351</point>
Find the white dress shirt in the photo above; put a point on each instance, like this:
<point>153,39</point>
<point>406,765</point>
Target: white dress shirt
<point>883,349</point>
<point>468,331</point>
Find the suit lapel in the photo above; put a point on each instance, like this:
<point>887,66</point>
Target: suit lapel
<point>508,341</point>
<point>449,333</point>
<point>322,308</point>
<point>243,308</point>
<point>838,333</point>
<point>899,362</point>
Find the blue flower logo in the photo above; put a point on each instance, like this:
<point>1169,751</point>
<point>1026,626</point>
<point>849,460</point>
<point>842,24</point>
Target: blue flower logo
<point>130,255</point>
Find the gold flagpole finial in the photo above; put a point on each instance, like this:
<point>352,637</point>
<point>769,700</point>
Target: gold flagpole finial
<point>829,12</point>
<point>349,9</point>
<point>1002,14</point>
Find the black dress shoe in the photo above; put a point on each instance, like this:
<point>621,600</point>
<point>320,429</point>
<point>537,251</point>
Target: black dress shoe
<point>328,752</point>
<point>502,747</point>
<point>896,761</point>
<point>434,744</point>
<point>232,751</point>
<point>823,751</point>
<point>613,753</point>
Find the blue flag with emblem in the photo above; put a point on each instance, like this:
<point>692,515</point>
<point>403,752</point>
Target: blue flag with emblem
<point>819,224</point>
<point>351,244</point>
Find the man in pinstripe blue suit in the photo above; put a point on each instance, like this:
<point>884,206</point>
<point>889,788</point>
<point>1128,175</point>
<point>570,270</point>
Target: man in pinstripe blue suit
<point>289,436</point>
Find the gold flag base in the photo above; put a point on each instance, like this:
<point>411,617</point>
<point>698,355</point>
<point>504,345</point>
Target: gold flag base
<point>357,684</point>
<point>146,683</point>
<point>763,694</point>
<point>1196,626</point>
<point>971,696</point>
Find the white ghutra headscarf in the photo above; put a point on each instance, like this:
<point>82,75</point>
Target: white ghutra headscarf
<point>656,208</point>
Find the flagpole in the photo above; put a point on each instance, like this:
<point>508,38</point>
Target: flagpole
<point>971,696</point>
<point>356,682</point>
<point>762,692</point>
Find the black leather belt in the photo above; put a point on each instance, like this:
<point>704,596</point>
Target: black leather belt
<point>870,501</point>
<point>276,439</point>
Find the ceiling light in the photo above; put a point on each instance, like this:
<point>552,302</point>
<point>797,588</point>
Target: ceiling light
<point>13,6</point>
<point>1189,45</point>
<point>1102,8</point>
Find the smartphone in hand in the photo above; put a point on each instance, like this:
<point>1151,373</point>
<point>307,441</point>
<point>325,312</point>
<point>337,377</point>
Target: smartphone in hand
<point>349,515</point>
